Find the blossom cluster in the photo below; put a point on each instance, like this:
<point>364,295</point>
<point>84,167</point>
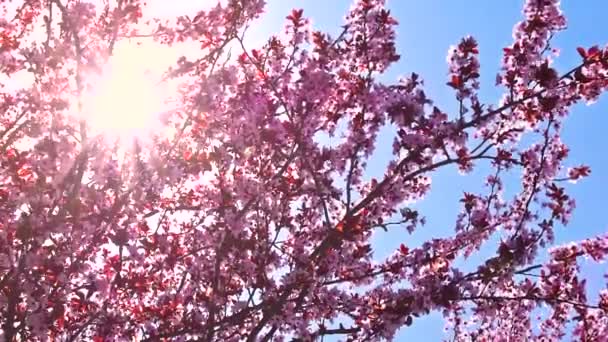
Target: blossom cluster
<point>242,223</point>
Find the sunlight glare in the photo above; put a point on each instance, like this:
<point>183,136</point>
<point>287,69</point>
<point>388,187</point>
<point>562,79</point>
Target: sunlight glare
<point>127,98</point>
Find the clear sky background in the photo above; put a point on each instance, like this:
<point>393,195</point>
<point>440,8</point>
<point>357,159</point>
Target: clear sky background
<point>426,31</point>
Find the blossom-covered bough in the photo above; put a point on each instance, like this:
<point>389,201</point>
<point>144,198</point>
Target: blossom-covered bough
<point>243,223</point>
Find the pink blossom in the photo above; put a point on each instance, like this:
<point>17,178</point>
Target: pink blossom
<point>252,216</point>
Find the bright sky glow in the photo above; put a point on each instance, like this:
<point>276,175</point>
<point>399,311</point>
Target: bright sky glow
<point>127,98</point>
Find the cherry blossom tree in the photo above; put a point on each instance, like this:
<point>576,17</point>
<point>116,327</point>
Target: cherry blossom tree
<point>239,221</point>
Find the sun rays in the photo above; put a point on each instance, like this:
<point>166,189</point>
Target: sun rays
<point>125,99</point>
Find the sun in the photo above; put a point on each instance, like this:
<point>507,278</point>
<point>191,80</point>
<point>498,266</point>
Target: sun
<point>125,99</point>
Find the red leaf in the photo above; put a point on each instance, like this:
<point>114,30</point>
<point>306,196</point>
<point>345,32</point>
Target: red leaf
<point>60,322</point>
<point>296,15</point>
<point>582,52</point>
<point>11,153</point>
<point>24,172</point>
<point>593,51</point>
<point>456,82</point>
<point>403,249</point>
<point>579,172</point>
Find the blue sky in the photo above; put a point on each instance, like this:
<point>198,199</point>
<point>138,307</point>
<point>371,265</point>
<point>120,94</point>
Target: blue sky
<point>427,29</point>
